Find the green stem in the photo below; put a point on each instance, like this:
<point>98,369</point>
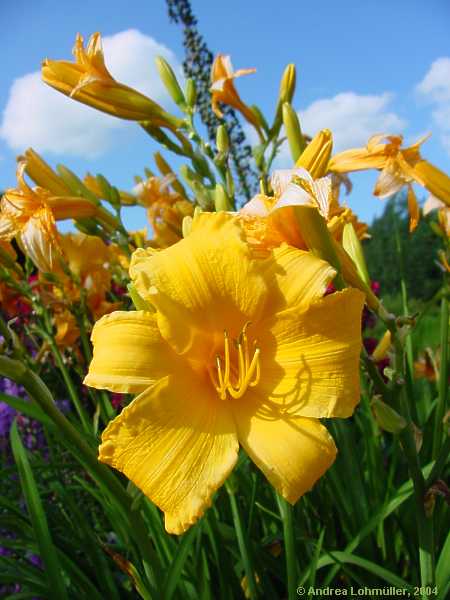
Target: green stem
<point>286,512</point>
<point>424,524</point>
<point>36,388</point>
<point>441,408</point>
<point>70,385</point>
<point>243,542</point>
<point>440,463</point>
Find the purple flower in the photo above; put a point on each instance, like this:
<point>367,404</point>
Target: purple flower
<point>7,415</point>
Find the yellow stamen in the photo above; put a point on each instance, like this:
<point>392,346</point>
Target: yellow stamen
<point>248,372</point>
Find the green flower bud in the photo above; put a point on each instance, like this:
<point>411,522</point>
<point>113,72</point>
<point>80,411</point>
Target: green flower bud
<point>293,131</point>
<point>386,417</point>
<point>222,139</point>
<point>170,81</point>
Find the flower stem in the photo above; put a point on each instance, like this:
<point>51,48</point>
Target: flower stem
<point>424,524</point>
<point>70,385</point>
<point>286,512</point>
<point>443,380</point>
<point>242,542</point>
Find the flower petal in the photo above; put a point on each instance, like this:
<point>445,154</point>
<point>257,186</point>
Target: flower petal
<point>295,278</point>
<point>177,442</point>
<point>202,285</point>
<point>310,359</point>
<point>39,239</point>
<point>413,209</point>
<point>390,180</point>
<point>432,178</point>
<point>293,452</point>
<point>129,353</point>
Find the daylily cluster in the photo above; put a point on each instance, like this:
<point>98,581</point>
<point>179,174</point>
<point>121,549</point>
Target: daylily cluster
<point>248,323</point>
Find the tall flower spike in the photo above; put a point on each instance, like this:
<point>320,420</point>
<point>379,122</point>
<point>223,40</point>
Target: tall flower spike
<point>89,81</point>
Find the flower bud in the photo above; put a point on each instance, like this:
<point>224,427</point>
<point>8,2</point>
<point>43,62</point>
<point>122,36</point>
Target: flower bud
<point>222,139</point>
<point>287,86</point>
<point>221,199</point>
<point>316,155</point>
<point>191,93</point>
<point>383,346</point>
<point>353,247</point>
<point>293,131</point>
<point>386,417</point>
<point>170,81</point>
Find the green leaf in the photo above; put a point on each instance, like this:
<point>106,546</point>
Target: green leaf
<point>174,574</point>
<point>443,569</point>
<point>47,551</point>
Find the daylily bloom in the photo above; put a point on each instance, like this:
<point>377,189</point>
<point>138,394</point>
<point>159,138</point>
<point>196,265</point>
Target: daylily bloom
<point>239,350</point>
<point>296,187</point>
<point>89,260</point>
<point>89,81</point>
<point>399,167</point>
<point>223,90</point>
<point>29,215</point>
<point>165,209</point>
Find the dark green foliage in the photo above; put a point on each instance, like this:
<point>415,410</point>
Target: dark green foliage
<point>423,276</point>
<point>197,66</point>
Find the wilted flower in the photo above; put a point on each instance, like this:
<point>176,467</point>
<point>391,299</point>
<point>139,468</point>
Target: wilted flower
<point>239,350</point>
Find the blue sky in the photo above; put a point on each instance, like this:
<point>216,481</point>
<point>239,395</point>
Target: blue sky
<point>363,67</point>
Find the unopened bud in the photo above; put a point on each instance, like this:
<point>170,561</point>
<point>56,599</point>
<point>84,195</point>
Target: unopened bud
<point>170,81</point>
<point>317,154</point>
<point>222,139</point>
<point>287,85</point>
<point>353,247</point>
<point>221,200</point>
<point>386,417</point>
<point>191,93</point>
<point>293,131</point>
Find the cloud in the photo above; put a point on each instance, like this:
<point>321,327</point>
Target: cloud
<point>352,118</point>
<point>435,89</point>
<point>39,116</point>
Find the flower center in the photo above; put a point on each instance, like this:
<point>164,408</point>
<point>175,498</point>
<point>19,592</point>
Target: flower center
<point>234,380</point>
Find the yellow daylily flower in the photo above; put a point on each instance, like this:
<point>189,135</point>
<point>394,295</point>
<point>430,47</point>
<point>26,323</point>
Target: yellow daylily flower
<point>240,350</point>
<point>223,90</point>
<point>30,214</point>
<point>296,187</point>
<point>89,260</point>
<point>89,81</point>
<point>165,209</point>
<point>399,167</point>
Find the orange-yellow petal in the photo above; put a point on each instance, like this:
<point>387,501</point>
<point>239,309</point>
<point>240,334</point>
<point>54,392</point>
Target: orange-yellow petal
<point>177,442</point>
<point>129,353</point>
<point>310,359</point>
<point>293,452</point>
<point>432,178</point>
<point>39,239</point>
<point>413,209</point>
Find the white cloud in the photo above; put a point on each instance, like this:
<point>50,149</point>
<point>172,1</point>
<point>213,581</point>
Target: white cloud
<point>352,118</point>
<point>435,88</point>
<point>38,116</point>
